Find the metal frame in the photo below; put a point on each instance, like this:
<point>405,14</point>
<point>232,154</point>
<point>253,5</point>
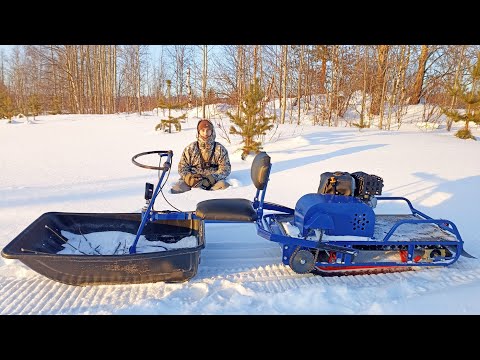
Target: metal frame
<point>344,250</point>
<point>147,213</point>
<point>150,215</point>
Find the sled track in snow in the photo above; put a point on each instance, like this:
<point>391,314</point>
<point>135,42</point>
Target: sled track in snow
<point>39,295</point>
<point>247,262</point>
<point>280,278</point>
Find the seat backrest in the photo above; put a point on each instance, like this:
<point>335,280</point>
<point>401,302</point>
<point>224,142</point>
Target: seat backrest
<point>260,170</point>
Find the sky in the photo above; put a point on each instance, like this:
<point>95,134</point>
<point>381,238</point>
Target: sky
<point>82,163</point>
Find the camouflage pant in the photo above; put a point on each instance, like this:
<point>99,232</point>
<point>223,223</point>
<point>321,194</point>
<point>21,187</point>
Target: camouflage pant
<point>180,186</point>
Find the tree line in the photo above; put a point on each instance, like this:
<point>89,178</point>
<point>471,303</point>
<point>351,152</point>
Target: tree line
<point>378,81</point>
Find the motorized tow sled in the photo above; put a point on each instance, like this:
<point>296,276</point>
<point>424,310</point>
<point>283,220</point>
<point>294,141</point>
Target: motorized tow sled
<point>332,231</point>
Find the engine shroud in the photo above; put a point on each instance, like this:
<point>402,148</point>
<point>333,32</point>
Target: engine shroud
<point>335,214</point>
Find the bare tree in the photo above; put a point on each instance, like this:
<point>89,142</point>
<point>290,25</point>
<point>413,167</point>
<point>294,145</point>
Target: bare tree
<point>405,60</point>
<point>204,77</point>
<point>179,56</point>
<point>322,53</point>
<point>273,71</point>
<point>364,88</point>
<point>299,82</point>
<point>189,90</point>
<point>138,78</point>
<point>2,66</point>
<point>382,57</point>
<point>418,85</point>
<point>109,78</point>
<point>240,77</point>
<point>456,86</point>
<point>284,87</point>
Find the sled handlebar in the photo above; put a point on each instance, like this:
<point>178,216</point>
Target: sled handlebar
<point>166,164</point>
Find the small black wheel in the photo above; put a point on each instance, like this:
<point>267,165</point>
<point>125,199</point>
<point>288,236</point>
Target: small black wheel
<point>435,253</point>
<point>302,261</point>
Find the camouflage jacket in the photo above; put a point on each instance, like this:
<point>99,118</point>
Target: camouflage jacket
<point>205,158</point>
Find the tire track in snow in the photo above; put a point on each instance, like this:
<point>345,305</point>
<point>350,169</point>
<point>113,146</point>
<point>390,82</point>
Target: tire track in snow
<point>26,289</point>
<point>424,280</point>
<point>6,289</point>
<point>63,303</point>
<point>38,295</point>
<point>41,299</point>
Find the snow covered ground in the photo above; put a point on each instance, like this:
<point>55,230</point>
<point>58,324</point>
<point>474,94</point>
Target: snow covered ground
<point>82,163</point>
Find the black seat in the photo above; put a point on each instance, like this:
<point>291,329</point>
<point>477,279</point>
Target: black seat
<point>226,210</point>
<point>240,210</point>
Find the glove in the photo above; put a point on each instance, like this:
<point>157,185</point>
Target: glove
<point>207,182</point>
<point>192,180</point>
<point>211,180</point>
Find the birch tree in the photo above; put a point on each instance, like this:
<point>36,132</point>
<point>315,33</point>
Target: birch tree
<point>204,78</point>
<point>284,83</point>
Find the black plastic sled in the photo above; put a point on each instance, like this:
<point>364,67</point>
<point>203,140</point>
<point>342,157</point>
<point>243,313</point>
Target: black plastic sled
<point>38,247</point>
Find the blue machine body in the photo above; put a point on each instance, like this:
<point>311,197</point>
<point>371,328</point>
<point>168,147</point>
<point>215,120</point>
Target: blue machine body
<point>335,214</point>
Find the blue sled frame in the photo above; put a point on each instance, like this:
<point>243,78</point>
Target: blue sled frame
<point>335,254</point>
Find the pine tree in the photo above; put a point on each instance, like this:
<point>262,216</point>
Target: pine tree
<point>55,105</point>
<point>250,124</point>
<point>6,108</point>
<point>470,96</point>
<point>2,103</point>
<point>34,105</point>
<point>166,124</point>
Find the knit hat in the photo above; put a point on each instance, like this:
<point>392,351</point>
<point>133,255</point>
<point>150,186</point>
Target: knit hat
<point>204,123</point>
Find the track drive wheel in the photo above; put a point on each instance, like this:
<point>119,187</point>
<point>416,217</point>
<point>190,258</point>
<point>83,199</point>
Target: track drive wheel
<point>302,261</point>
